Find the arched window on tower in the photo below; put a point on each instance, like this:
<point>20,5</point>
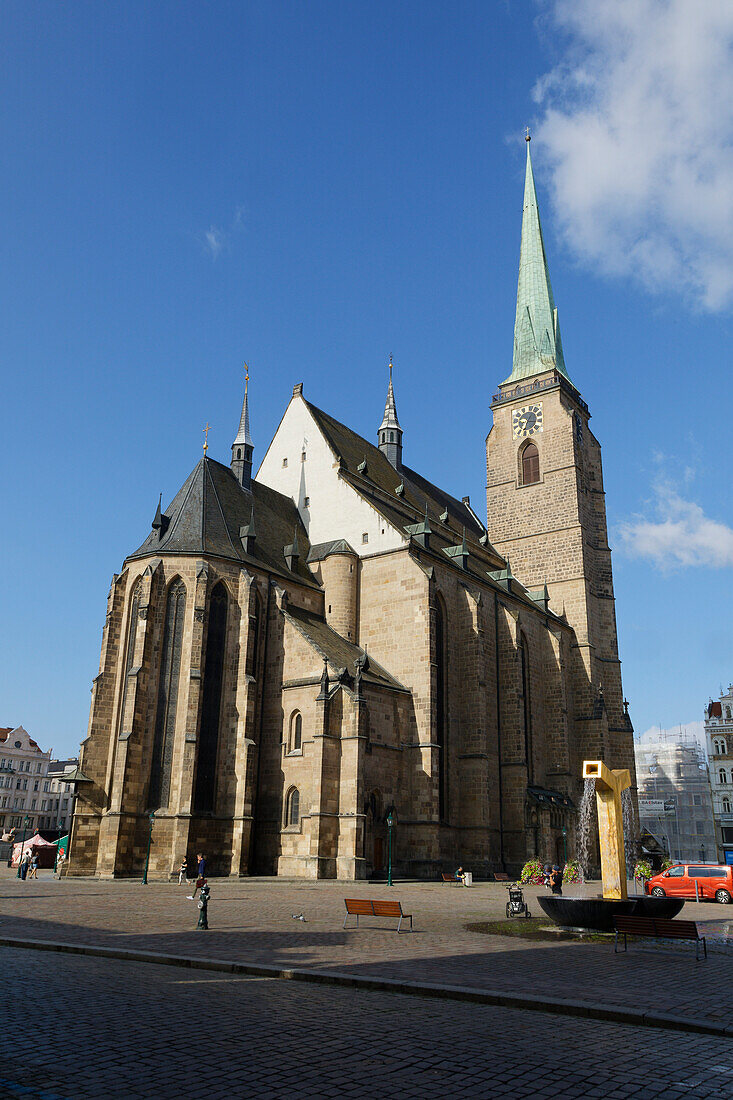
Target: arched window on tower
<point>723,775</point>
<point>165,717</point>
<point>726,805</point>
<point>295,741</point>
<point>292,808</point>
<point>530,464</point>
<point>526,703</point>
<point>441,710</point>
<point>205,790</point>
<point>133,617</point>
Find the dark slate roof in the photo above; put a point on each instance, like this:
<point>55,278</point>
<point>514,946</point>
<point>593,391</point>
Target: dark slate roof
<point>321,550</point>
<point>339,653</point>
<point>401,495</point>
<point>208,511</point>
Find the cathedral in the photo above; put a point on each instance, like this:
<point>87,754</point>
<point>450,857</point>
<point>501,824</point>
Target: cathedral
<point>293,657</point>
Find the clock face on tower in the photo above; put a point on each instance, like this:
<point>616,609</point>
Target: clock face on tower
<point>527,421</point>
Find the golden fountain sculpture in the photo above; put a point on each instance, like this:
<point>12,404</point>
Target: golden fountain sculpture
<point>609,785</point>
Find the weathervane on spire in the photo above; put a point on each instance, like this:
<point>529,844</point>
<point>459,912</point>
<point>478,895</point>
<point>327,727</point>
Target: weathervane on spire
<point>390,368</point>
<point>206,437</point>
<point>527,135</point>
<point>246,377</point>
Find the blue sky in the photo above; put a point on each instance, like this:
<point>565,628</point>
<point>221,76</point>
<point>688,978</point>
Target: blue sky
<point>311,188</point>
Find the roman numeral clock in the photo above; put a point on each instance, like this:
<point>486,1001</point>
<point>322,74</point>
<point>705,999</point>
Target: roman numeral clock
<point>527,421</point>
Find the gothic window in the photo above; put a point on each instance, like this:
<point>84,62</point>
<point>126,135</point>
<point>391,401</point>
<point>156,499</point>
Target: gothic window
<point>726,805</point>
<point>239,452</point>
<point>526,703</point>
<point>391,437</point>
<point>296,732</point>
<point>441,710</point>
<point>292,807</point>
<point>204,794</point>
<point>254,638</point>
<point>131,638</point>
<point>530,464</point>
<point>723,775</point>
<point>165,718</point>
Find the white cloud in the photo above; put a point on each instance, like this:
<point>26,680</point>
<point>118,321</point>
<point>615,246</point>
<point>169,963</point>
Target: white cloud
<point>637,122</point>
<point>686,731</point>
<point>680,534</point>
<point>214,241</point>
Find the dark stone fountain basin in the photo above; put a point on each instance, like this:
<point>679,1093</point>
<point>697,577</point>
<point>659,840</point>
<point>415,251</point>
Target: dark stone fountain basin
<point>598,912</point>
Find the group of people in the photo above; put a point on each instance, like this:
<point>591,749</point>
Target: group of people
<point>553,878</point>
<point>29,863</point>
<point>200,875</point>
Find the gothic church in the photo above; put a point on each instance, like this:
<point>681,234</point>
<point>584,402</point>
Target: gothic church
<point>290,656</point>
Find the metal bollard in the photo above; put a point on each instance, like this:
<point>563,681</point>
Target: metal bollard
<point>204,907</point>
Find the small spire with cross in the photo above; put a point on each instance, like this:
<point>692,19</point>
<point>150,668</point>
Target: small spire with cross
<point>206,437</point>
<point>390,368</point>
<point>246,378</point>
<point>527,135</point>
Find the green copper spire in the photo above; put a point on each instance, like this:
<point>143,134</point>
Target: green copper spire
<point>537,344</point>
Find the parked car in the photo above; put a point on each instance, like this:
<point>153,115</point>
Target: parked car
<point>713,882</point>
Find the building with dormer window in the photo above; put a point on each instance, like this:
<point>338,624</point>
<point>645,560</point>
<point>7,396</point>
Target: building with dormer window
<point>719,738</point>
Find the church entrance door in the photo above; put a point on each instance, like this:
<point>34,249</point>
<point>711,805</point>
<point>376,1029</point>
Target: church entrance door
<point>378,854</point>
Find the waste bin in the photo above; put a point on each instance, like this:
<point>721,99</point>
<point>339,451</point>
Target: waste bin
<point>468,878</point>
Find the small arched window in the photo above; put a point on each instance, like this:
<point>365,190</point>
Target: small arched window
<point>726,805</point>
<point>296,731</point>
<point>530,465</point>
<point>292,812</point>
<point>723,775</point>
<point>239,452</point>
<point>391,437</point>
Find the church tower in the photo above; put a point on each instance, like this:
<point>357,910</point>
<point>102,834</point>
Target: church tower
<point>242,447</point>
<point>545,500</point>
<point>390,432</point>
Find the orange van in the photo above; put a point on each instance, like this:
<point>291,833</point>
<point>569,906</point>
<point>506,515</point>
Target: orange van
<point>713,882</point>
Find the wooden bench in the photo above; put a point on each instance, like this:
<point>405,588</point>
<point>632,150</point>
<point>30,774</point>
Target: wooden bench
<point>360,907</point>
<point>450,876</point>
<point>659,927</point>
<point>499,876</point>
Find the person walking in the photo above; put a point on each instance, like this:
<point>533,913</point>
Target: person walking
<point>25,864</point>
<point>60,859</point>
<point>556,880</point>
<point>182,872</point>
<point>201,880</point>
<point>34,866</point>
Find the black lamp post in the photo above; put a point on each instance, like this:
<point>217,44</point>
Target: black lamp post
<point>702,853</point>
<point>390,825</point>
<point>565,845</point>
<point>147,857</point>
<point>26,821</point>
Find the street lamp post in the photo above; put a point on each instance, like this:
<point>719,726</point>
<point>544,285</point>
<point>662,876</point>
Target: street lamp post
<point>147,857</point>
<point>26,821</point>
<point>390,824</point>
<point>565,845</point>
<point>59,823</point>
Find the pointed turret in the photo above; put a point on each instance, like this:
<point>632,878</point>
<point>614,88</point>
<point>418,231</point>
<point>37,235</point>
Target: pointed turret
<point>242,447</point>
<point>390,432</point>
<point>537,344</point>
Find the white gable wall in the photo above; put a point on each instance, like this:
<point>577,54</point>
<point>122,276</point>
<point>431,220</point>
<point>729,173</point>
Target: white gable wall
<point>335,509</point>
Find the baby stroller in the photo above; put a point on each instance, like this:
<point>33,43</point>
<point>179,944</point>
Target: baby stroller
<point>516,906</point>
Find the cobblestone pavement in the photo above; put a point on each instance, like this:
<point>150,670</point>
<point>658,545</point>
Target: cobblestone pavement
<point>76,1028</point>
<point>252,921</point>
